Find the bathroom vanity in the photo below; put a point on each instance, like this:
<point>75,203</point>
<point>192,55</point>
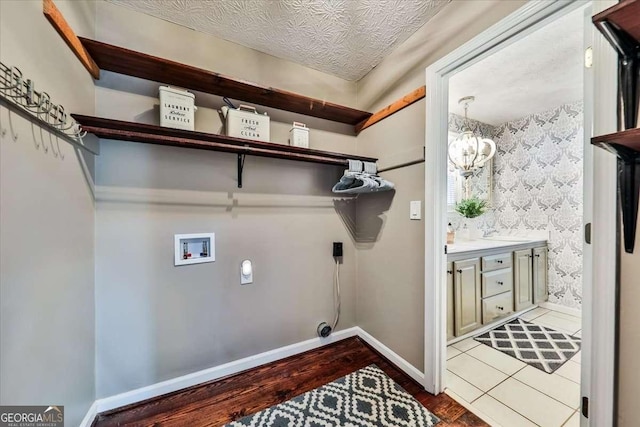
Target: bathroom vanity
<point>489,279</point>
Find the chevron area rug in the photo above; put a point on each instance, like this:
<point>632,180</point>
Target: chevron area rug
<point>366,398</point>
<point>541,347</point>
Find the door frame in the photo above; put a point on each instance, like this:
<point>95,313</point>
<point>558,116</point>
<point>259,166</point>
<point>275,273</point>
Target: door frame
<point>598,333</point>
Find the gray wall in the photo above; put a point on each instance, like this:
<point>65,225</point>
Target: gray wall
<point>390,299</point>
<point>47,223</point>
<point>149,193</point>
<point>391,246</point>
<point>156,321</point>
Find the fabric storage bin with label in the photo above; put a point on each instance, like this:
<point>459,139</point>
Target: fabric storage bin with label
<point>245,122</point>
<point>176,108</point>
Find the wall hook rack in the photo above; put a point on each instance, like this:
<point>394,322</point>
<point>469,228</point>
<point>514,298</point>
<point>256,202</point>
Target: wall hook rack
<point>241,158</point>
<point>19,94</point>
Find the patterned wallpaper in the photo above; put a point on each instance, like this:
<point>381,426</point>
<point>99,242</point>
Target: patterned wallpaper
<point>456,124</point>
<point>538,186</point>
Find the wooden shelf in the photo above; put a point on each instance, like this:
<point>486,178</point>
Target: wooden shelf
<point>624,15</point>
<point>622,143</point>
<point>137,64</point>
<point>149,134</point>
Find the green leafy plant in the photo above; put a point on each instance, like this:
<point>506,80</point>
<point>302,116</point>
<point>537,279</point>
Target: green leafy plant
<point>472,207</point>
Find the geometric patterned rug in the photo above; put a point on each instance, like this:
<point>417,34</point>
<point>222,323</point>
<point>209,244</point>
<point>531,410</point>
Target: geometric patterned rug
<point>541,347</point>
<point>367,397</point>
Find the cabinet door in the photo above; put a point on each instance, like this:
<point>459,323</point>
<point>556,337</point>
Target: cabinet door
<point>540,275</point>
<point>450,298</point>
<point>522,279</point>
<point>467,285</point>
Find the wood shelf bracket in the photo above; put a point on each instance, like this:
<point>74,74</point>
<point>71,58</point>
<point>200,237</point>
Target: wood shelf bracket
<point>393,108</point>
<point>55,18</point>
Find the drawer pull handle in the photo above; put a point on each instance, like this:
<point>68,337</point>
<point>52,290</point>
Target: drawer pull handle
<point>459,271</point>
<point>449,271</point>
<point>500,283</point>
<point>499,308</point>
<point>499,261</point>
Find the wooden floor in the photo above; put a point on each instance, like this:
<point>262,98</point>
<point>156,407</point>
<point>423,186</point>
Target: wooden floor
<point>221,401</point>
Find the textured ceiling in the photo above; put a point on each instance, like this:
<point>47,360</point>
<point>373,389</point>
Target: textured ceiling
<point>535,74</point>
<point>346,38</point>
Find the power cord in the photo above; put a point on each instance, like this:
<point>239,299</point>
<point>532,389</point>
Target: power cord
<point>336,294</point>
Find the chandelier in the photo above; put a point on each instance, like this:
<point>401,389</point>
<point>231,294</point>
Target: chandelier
<point>469,152</point>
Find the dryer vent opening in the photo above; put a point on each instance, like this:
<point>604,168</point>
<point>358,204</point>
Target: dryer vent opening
<point>324,330</point>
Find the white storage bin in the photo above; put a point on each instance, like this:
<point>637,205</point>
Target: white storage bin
<point>176,108</point>
<point>299,135</point>
<point>246,123</point>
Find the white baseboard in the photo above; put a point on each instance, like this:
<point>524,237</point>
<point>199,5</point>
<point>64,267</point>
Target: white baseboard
<point>220,371</point>
<point>406,367</point>
<point>90,416</point>
<point>210,374</point>
<point>561,308</point>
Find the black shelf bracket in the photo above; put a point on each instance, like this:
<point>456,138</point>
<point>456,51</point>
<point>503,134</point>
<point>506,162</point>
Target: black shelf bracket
<point>240,168</point>
<point>628,50</point>
<point>629,193</point>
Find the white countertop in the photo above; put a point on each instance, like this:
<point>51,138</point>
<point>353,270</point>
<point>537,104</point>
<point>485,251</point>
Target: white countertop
<point>499,241</point>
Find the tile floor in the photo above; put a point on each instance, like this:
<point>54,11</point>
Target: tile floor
<point>510,392</point>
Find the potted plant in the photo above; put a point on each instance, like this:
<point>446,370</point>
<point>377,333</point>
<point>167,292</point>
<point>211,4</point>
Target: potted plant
<point>472,208</point>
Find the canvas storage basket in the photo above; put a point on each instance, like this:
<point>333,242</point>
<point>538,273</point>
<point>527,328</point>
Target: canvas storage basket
<point>245,122</point>
<point>176,108</point>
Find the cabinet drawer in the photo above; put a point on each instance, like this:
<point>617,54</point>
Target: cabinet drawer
<point>496,307</point>
<point>495,262</point>
<point>497,282</point>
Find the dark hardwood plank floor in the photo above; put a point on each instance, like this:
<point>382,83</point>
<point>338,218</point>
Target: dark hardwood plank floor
<point>218,402</point>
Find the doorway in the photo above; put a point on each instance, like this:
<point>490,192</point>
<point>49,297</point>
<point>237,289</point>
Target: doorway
<point>440,76</point>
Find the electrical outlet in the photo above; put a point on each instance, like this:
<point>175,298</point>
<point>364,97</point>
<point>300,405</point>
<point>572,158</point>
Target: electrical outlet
<point>337,249</point>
